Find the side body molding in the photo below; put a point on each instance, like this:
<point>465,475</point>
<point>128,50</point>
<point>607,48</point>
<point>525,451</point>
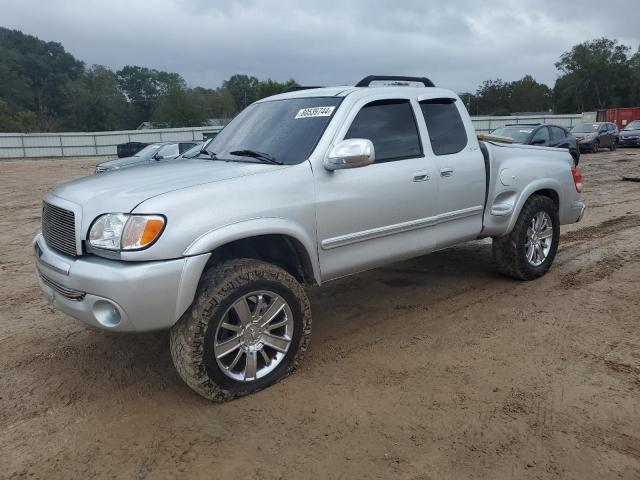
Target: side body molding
<point>217,237</point>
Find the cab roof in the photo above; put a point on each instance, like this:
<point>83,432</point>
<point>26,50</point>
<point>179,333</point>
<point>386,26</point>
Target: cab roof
<point>395,85</point>
<point>343,91</point>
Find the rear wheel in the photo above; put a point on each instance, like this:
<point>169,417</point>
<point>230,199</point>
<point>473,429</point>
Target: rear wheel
<point>247,329</point>
<point>614,145</point>
<point>529,250</point>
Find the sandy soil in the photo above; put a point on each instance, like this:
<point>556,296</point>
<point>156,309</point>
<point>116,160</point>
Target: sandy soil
<point>435,368</point>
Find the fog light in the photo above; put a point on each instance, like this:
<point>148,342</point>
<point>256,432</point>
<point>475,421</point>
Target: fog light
<point>106,313</point>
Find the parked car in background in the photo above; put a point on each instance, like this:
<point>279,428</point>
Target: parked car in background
<point>129,149</point>
<point>149,154</point>
<point>540,134</point>
<point>593,136</point>
<point>193,151</point>
<point>630,136</point>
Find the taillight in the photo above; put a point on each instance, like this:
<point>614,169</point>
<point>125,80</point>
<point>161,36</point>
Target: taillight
<point>577,178</point>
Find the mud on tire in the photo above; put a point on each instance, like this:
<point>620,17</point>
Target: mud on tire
<point>192,337</point>
<point>509,251</point>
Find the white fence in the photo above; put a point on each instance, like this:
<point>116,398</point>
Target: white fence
<point>34,145</point>
<point>78,144</point>
<point>486,124</point>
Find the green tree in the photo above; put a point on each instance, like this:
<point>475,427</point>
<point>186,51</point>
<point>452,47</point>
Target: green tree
<point>634,80</point>
<point>269,87</point>
<point>143,87</point>
<point>15,120</point>
<point>243,89</point>
<point>594,74</point>
<point>469,100</point>
<point>33,75</point>
<point>95,102</point>
<point>493,97</point>
<point>527,95</point>
<point>217,103</point>
<point>179,107</point>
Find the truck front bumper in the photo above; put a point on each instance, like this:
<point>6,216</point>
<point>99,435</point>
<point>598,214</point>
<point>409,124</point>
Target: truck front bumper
<point>117,295</point>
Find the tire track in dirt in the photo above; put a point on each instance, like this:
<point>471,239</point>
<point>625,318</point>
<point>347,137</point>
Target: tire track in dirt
<point>608,227</point>
<point>601,270</point>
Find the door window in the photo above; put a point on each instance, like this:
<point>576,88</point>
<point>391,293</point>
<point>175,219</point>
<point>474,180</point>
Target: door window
<point>391,127</point>
<point>541,134</point>
<point>558,133</point>
<point>444,124</point>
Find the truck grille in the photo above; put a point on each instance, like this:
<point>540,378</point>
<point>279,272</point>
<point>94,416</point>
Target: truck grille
<point>59,229</point>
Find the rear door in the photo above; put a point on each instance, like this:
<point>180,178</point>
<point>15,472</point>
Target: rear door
<point>604,135</point>
<point>382,212</point>
<point>558,137</point>
<point>461,176</point>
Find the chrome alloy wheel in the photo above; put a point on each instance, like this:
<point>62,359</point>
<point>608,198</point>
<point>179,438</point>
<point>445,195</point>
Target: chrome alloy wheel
<point>254,336</point>
<point>539,239</point>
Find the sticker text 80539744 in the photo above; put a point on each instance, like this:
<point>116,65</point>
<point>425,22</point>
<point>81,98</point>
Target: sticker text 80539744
<point>315,112</point>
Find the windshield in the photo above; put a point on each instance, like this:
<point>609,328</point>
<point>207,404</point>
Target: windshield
<point>518,134</point>
<point>148,151</point>
<point>585,128</point>
<point>285,130</point>
<point>635,125</point>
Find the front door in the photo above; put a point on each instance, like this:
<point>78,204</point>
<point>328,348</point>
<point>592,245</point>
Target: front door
<point>461,176</point>
<point>372,215</point>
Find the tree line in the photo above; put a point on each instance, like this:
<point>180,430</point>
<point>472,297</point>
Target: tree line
<point>44,88</point>
<point>596,74</point>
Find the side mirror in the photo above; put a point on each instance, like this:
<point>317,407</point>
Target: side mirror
<point>538,141</point>
<point>351,153</point>
<point>158,157</point>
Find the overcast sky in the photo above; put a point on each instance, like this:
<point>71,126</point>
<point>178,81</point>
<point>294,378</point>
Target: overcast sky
<point>458,44</point>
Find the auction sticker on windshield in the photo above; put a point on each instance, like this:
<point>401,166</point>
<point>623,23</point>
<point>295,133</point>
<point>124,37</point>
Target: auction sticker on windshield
<point>315,112</point>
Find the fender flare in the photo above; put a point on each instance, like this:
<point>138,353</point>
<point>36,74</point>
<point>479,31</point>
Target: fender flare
<point>209,241</point>
<point>530,189</point>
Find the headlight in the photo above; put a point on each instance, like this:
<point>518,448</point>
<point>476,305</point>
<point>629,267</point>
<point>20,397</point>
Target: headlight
<point>121,231</point>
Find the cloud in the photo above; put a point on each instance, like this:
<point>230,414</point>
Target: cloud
<point>458,43</point>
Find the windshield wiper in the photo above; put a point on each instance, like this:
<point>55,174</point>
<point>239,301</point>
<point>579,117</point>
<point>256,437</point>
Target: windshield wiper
<point>265,157</point>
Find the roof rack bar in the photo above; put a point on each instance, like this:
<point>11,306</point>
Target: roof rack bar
<point>372,78</point>
<point>296,88</point>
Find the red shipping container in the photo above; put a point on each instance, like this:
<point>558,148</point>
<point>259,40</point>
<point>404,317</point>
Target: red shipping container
<point>620,116</point>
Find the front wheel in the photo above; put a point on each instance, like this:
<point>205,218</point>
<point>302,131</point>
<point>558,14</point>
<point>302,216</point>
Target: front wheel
<point>595,147</point>
<point>247,329</point>
<point>529,250</point>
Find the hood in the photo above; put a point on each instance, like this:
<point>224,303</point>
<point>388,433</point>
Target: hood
<point>122,190</point>
<point>630,133</point>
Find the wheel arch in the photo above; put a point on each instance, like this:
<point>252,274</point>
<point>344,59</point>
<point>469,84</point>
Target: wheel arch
<point>546,187</point>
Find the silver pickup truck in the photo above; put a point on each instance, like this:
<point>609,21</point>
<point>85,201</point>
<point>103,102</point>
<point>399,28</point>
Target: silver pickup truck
<point>299,189</point>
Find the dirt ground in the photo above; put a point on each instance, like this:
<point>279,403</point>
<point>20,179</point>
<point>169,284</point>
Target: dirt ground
<point>435,368</point>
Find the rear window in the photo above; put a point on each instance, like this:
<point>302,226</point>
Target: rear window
<point>391,127</point>
<point>444,124</point>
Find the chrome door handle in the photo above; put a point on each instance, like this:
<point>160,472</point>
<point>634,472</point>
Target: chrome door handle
<point>423,177</point>
<point>446,172</point>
